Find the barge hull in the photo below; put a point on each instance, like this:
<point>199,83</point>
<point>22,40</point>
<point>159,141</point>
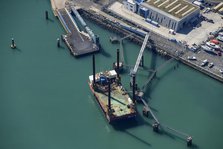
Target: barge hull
<point>104,110</point>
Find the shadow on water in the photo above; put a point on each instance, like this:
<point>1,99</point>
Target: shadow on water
<point>195,146</point>
<point>140,121</point>
<point>104,53</point>
<point>124,52</point>
<point>137,138</point>
<point>127,124</point>
<point>126,71</point>
<point>61,47</point>
<point>174,136</point>
<point>50,20</point>
<point>17,50</point>
<point>153,61</point>
<point>169,71</point>
<point>157,79</point>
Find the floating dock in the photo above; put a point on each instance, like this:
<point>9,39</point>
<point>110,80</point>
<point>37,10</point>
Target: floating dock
<point>111,96</point>
<point>78,42</point>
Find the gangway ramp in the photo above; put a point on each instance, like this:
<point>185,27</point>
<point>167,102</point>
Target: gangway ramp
<point>141,53</point>
<point>88,30</point>
<point>78,42</point>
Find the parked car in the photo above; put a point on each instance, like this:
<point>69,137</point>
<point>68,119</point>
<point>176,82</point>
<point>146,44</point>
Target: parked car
<point>204,63</point>
<point>220,33</point>
<point>193,58</point>
<point>171,31</point>
<point>207,10</point>
<point>173,40</point>
<point>220,38</point>
<point>214,33</point>
<point>212,45</point>
<point>214,41</point>
<point>210,20</point>
<point>210,65</point>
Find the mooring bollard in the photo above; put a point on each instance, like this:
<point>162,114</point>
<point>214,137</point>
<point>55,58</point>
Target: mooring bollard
<point>189,141</point>
<point>46,15</point>
<point>58,42</point>
<point>13,45</point>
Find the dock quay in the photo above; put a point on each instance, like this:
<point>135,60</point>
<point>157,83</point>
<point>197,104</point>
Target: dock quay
<point>78,42</point>
<point>161,44</point>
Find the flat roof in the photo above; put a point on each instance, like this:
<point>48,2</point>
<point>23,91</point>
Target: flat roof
<point>176,8</point>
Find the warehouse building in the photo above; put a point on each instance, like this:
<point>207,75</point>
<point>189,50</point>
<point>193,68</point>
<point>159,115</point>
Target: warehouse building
<point>173,14</point>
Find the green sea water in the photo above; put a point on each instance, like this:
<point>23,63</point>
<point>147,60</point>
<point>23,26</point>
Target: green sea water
<point>45,101</point>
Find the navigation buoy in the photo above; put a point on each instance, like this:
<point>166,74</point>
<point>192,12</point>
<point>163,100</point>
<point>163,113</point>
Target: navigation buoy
<point>13,45</point>
<point>58,42</point>
<point>189,141</point>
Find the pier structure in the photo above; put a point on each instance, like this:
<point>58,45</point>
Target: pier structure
<point>139,58</point>
<point>105,22</point>
<point>140,54</point>
<point>88,30</point>
<point>78,42</point>
<point>163,45</point>
<point>157,126</point>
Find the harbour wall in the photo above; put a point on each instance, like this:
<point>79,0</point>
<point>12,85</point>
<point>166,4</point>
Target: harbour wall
<point>161,45</point>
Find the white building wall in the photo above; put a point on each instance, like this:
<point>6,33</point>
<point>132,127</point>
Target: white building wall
<point>169,21</point>
<point>130,5</point>
<point>162,19</point>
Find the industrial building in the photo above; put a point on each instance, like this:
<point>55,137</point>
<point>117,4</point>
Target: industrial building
<point>173,14</point>
<point>130,5</point>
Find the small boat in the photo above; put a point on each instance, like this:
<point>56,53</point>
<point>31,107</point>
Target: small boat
<point>212,45</point>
